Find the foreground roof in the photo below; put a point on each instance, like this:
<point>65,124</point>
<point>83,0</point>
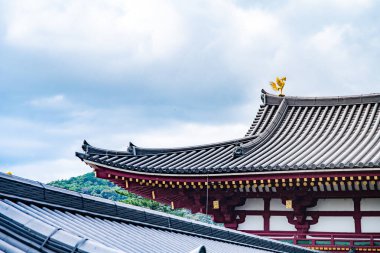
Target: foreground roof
<point>288,134</point>
<point>39,218</point>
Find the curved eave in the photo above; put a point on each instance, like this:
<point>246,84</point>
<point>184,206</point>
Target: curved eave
<point>157,151</point>
<point>361,171</point>
<point>271,99</point>
<point>134,150</point>
<point>296,139</point>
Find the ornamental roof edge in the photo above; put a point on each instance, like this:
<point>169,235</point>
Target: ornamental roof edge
<point>134,150</point>
<point>271,99</point>
<point>269,130</point>
<point>268,171</point>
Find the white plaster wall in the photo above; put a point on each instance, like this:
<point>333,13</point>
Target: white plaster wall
<point>280,223</point>
<point>276,205</point>
<point>370,204</point>
<point>370,224</point>
<point>334,224</point>
<point>252,204</point>
<point>333,205</point>
<point>252,222</point>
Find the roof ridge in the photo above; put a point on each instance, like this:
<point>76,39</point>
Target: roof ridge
<point>134,150</point>
<point>271,99</point>
<point>151,151</point>
<point>268,132</point>
<point>16,219</point>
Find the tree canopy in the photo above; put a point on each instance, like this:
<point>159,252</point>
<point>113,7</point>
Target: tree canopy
<point>89,184</point>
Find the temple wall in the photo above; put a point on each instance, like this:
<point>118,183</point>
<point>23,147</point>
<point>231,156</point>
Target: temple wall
<point>334,224</point>
<point>370,224</point>
<point>333,205</point>
<point>370,204</point>
<point>276,205</point>
<point>252,222</point>
<point>337,216</point>
<point>280,223</point>
<point>252,204</point>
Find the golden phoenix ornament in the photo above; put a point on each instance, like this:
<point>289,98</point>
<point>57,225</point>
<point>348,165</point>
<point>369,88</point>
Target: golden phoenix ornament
<point>278,85</point>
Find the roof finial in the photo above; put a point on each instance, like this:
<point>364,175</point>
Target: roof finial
<point>278,85</point>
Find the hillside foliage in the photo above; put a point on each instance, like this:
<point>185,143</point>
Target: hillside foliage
<point>89,184</point>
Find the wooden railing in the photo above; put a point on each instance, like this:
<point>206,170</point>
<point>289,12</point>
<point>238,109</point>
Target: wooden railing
<point>328,241</point>
<point>333,240</point>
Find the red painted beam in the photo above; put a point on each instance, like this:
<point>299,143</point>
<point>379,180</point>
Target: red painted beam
<point>203,178</point>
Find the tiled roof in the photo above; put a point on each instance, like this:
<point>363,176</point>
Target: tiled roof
<point>288,134</point>
<point>39,218</point>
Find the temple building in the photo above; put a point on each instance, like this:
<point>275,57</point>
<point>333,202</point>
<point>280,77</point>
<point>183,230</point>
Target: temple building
<point>306,172</point>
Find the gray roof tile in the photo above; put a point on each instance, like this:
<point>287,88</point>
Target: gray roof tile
<point>57,223</point>
<point>288,133</point>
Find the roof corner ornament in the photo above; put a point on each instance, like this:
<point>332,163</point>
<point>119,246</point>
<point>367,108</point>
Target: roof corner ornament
<point>278,85</point>
<point>132,148</point>
<point>263,96</point>
<point>85,146</point>
<point>238,151</point>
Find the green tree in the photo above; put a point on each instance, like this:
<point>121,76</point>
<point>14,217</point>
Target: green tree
<point>89,184</point>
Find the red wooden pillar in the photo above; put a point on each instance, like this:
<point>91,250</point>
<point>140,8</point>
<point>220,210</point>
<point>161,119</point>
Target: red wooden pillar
<point>357,216</point>
<point>266,215</point>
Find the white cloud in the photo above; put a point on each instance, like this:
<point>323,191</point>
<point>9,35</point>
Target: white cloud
<point>49,170</point>
<point>57,101</point>
<point>182,135</point>
<point>10,145</point>
<point>251,42</point>
<point>61,163</point>
<point>20,138</point>
<point>330,39</point>
<point>140,30</point>
<point>46,152</point>
<point>165,48</point>
<point>56,166</point>
<point>346,5</point>
<point>328,8</point>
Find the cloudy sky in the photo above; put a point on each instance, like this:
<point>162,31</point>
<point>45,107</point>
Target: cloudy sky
<point>165,73</point>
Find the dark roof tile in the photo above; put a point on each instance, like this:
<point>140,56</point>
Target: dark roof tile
<point>289,133</point>
<point>63,221</point>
